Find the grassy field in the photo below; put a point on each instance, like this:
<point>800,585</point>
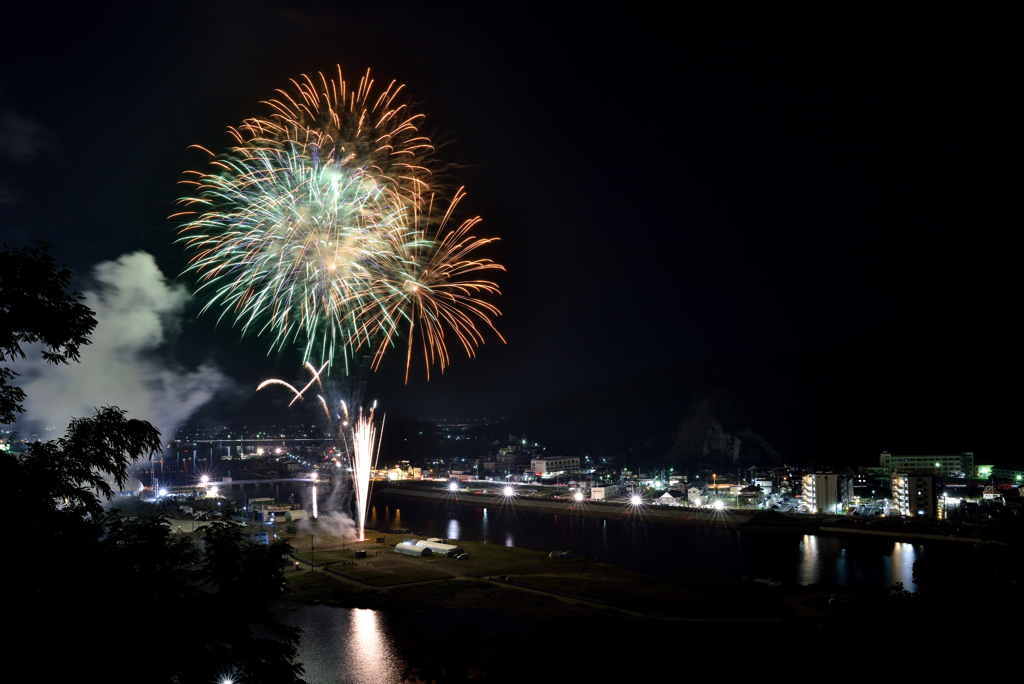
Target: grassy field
<point>312,587</point>
<point>386,572</point>
<point>330,556</point>
<point>392,581</point>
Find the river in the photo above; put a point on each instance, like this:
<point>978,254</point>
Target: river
<point>366,646</point>
<point>648,547</point>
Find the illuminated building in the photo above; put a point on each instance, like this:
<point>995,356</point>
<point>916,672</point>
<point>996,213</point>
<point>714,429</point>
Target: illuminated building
<point>913,496</point>
<point>1014,474</point>
<point>828,492</point>
<point>603,493</point>
<point>950,465</point>
<point>548,467</point>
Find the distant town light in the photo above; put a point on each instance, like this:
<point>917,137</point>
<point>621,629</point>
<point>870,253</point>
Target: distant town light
<point>508,491</point>
<point>453,486</point>
<point>636,500</point>
<point>578,496</point>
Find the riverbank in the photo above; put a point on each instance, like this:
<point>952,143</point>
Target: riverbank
<point>531,586</point>
<point>762,521</point>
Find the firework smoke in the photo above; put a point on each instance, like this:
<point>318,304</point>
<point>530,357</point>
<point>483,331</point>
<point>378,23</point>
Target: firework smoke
<point>135,308</point>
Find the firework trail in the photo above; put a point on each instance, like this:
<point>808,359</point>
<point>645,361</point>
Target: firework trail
<point>316,228</point>
<point>365,447</point>
<point>361,453</point>
<point>298,393</point>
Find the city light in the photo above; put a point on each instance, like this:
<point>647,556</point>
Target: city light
<point>578,496</point>
<point>508,491</point>
<point>636,500</point>
<point>453,486</point>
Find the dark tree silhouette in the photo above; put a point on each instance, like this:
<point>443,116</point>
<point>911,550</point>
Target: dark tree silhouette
<point>97,594</point>
<point>36,307</point>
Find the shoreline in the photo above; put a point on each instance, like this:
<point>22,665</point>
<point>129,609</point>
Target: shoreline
<point>768,521</point>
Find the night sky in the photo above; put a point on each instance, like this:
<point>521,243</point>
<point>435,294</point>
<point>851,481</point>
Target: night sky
<point>665,185</point>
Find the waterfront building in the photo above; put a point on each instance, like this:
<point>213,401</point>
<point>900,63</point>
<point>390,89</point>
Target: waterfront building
<point>603,493</point>
<point>827,492</point>
<point>913,496</point>
<point>695,495</point>
<point>558,465</point>
<point>949,465</point>
<point>766,483</point>
<point>1013,473</point>
<point>750,496</point>
<point>671,497</point>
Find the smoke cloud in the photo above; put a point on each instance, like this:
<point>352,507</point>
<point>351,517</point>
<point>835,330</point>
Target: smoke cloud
<point>333,524</point>
<point>135,308</point>
<point>334,519</point>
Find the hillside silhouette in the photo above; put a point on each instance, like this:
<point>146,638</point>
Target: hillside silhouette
<point>838,406</point>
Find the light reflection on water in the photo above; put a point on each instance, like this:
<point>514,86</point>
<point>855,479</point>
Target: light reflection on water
<point>808,559</point>
<point>369,655</point>
<point>871,562</point>
<point>903,557</point>
<point>353,646</point>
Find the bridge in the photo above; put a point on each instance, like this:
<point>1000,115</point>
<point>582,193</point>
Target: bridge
<point>252,441</point>
<point>196,486</point>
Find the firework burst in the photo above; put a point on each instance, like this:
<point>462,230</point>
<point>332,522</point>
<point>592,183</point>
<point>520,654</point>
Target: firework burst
<point>436,290</point>
<point>316,229</point>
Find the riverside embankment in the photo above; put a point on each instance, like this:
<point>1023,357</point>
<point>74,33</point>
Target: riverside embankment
<point>768,521</point>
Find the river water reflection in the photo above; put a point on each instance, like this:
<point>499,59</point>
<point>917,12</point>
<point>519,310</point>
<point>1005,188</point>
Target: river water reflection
<point>354,645</point>
<point>655,548</point>
<point>651,547</point>
<point>345,645</point>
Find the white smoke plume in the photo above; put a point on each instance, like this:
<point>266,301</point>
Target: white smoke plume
<point>334,519</point>
<point>330,524</point>
<point>135,307</point>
